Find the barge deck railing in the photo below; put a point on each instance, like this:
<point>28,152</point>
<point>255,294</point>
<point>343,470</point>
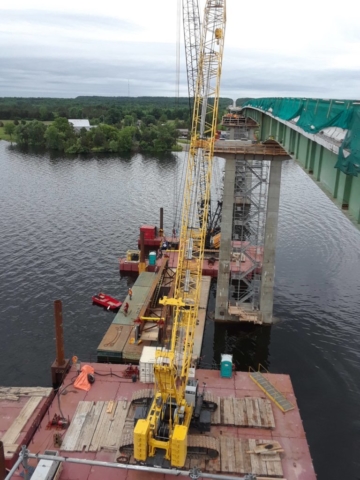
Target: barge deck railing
<point>194,473</point>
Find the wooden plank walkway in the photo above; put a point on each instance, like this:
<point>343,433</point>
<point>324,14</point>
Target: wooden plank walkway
<point>274,394</point>
<point>200,323</point>
<point>245,316</point>
<point>14,393</point>
<point>240,412</point>
<point>22,405</point>
<point>253,149</point>
<point>12,434</point>
<point>96,426</point>
<point>236,455</point>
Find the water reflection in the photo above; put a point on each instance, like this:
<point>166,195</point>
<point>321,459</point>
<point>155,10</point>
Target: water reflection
<point>65,221</point>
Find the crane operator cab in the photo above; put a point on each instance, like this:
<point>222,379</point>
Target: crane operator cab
<point>202,408</point>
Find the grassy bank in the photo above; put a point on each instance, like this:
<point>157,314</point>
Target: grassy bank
<point>3,135</point>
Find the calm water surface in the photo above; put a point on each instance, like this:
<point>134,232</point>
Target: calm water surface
<point>64,223</point>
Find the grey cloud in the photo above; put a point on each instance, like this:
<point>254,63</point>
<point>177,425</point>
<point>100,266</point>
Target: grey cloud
<point>96,67</point>
<point>271,74</point>
<point>65,20</point>
<point>71,77</point>
<point>327,83</point>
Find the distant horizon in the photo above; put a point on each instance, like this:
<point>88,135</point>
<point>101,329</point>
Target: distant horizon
<point>173,97</point>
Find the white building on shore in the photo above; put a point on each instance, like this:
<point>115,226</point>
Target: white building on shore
<point>78,124</point>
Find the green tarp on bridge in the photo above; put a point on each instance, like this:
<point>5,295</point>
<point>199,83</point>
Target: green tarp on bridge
<point>313,115</point>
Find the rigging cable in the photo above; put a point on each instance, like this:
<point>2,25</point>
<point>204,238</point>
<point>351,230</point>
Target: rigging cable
<point>176,219</point>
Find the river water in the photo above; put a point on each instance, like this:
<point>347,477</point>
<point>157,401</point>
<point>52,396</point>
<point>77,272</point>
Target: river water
<point>65,221</point>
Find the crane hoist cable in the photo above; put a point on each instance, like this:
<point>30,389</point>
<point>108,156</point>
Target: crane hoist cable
<point>178,29</point>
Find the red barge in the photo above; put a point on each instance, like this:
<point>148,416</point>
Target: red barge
<point>238,264</point>
<point>102,419</point>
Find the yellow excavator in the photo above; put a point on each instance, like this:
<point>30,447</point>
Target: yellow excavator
<point>162,428</point>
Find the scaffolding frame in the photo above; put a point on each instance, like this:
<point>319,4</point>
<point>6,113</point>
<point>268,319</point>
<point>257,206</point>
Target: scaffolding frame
<point>248,234</point>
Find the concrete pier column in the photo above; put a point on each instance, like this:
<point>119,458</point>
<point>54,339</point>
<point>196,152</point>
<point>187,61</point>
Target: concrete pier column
<point>272,216</point>
<point>222,293</point>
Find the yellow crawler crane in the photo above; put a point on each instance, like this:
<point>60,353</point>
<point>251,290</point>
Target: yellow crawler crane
<point>176,401</point>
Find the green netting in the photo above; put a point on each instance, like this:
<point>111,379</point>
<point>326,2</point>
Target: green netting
<point>313,115</point>
<point>349,152</point>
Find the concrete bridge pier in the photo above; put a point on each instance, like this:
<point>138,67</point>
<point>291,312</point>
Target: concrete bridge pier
<point>271,226</point>
<point>223,281</point>
<point>261,312</point>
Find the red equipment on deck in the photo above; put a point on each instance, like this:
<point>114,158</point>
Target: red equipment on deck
<point>149,231</point>
<point>131,371</point>
<point>106,301</point>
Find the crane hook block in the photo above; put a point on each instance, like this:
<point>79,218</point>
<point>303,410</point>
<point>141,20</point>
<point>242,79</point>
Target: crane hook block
<point>218,33</point>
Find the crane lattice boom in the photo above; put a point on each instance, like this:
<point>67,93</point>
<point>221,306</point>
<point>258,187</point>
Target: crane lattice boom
<point>168,421</point>
<point>191,21</point>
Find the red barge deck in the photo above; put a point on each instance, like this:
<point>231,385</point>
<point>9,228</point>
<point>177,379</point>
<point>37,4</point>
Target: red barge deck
<point>210,264</point>
<point>21,411</point>
<point>102,417</point>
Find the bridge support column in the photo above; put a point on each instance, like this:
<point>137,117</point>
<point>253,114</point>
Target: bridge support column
<point>268,269</point>
<point>223,282</point>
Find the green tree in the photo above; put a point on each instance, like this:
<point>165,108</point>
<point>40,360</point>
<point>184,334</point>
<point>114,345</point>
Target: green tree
<point>148,120</point>
<point>125,142</point>
<point>128,120</point>
<point>63,125</point>
<point>113,146</point>
<point>156,112</point>
<point>110,132</point>
<point>99,138</point>
<point>54,138</point>
<point>84,141</point>
<point>76,112</point>
<point>22,135</point>
<point>43,111</point>
<point>166,138</point>
<point>113,116</point>
<point>9,129</point>
<point>36,133</point>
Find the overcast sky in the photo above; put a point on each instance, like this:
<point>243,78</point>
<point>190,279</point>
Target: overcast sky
<point>104,47</point>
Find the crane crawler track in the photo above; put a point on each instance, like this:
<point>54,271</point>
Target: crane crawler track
<point>198,445</point>
<point>142,396</point>
<point>206,447</point>
<point>210,401</point>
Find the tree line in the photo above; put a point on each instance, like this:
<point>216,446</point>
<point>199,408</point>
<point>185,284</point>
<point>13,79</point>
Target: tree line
<point>61,136</point>
<point>108,110</point>
<point>119,124</point>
